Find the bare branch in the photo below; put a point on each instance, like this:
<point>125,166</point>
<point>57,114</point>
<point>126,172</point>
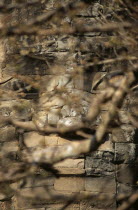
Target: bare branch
<point>53,155</point>
<point>24,29</point>
<point>127,204</point>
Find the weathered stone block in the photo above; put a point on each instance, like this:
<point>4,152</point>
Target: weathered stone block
<point>96,154</point>
<point>100,184</point>
<point>10,146</point>
<point>6,205</point>
<point>108,156</point>
<point>72,184</point>
<point>6,107</point>
<point>100,163</point>
<point>39,182</point>
<point>57,207</point>
<point>100,168</point>
<point>124,189</point>
<point>125,152</point>
<point>71,163</point>
<point>101,202</point>
<point>45,199</point>
<point>92,10</point>
<point>60,206</point>
<point>91,208</point>
<point>63,193</point>
<point>123,117</point>
<point>71,171</point>
<point>123,134</point>
<point>7,133</point>
<point>53,118</point>
<point>37,209</point>
<point>78,82</point>
<point>17,109</point>
<point>127,173</point>
<point>27,198</point>
<point>118,135</point>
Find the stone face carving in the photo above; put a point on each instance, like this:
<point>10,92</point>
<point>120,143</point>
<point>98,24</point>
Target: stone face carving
<point>60,104</point>
<point>64,100</point>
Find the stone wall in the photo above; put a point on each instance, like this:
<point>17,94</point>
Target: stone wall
<point>109,171</point>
